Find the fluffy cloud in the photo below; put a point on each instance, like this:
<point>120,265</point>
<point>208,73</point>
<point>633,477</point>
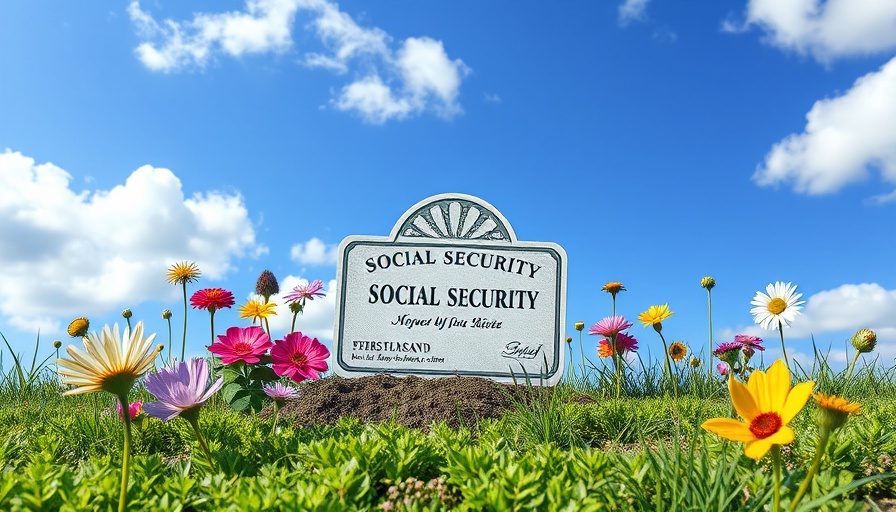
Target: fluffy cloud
<point>417,77</point>
<point>313,252</point>
<point>84,253</point>
<point>632,10</point>
<point>825,29</point>
<point>845,136</point>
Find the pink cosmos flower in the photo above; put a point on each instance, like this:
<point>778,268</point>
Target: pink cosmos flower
<point>279,391</point>
<point>180,388</point>
<point>299,357</point>
<point>745,341</point>
<point>610,326</point>
<point>212,299</point>
<point>305,291</point>
<point>133,410</point>
<point>245,344</point>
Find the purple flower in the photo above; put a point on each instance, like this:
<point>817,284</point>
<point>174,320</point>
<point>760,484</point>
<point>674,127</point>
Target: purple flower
<point>728,352</point>
<point>305,291</point>
<point>610,326</point>
<point>745,341</point>
<point>279,391</point>
<point>179,388</point>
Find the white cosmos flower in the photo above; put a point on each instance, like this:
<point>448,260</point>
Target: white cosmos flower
<point>778,307</point>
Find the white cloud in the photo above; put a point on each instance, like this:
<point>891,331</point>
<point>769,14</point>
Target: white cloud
<point>632,10</point>
<point>83,253</point>
<point>313,252</point>
<point>317,318</point>
<point>824,28</point>
<point>417,77</point>
<point>845,136</point>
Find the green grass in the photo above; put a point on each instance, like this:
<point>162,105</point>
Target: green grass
<point>643,450</point>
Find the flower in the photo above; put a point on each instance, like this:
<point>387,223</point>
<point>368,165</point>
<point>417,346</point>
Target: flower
<point>677,351</point>
<point>864,340</point>
<point>624,343</point>
<point>180,389</point>
<point>708,282</point>
<point>166,314</point>
<point>766,403</point>
<point>57,344</point>
<point>299,357</point>
<point>78,327</point>
<point>728,352</point>
<point>610,326</point>
<point>241,344</point>
<point>569,339</point>
<point>754,342</point>
<point>267,285</point>
<point>579,326</point>
<point>613,288</point>
<point>212,299</point>
<point>183,273</point>
<point>133,410</point>
<point>833,411</point>
<point>695,363</point>
<point>257,309</point>
<point>305,292</point>
<point>777,308</point>
<point>723,368</point>
<point>110,362</point>
<point>654,316</point>
<point>279,391</point>
<point>126,314</point>
<point>604,349</point>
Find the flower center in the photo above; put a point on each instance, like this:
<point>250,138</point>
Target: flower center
<point>241,347</point>
<point>298,359</point>
<point>765,424</point>
<point>776,306</point>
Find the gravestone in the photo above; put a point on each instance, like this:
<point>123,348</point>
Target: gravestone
<point>451,292</point>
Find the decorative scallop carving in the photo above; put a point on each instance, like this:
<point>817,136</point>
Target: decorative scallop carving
<point>458,219</point>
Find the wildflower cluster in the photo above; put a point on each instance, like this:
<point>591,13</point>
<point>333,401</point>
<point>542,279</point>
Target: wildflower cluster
<point>413,494</point>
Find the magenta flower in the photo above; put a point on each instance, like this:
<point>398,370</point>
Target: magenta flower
<point>304,292</point>
<point>212,299</point>
<point>723,368</point>
<point>279,391</point>
<point>728,352</point>
<point>133,410</point>
<point>626,343</point>
<point>245,344</point>
<point>753,342</point>
<point>610,326</point>
<point>180,388</point>
<point>299,357</point>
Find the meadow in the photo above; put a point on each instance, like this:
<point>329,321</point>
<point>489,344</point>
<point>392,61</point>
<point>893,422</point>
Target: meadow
<point>118,426</point>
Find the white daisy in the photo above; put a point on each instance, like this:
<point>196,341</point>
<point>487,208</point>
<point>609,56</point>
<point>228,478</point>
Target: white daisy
<point>779,307</point>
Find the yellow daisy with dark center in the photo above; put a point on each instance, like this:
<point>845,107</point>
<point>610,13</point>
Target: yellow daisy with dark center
<point>677,351</point>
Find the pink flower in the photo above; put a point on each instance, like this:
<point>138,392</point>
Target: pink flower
<point>212,299</point>
<point>305,291</point>
<point>299,357</point>
<point>610,326</point>
<point>180,388</point>
<point>279,391</point>
<point>134,409</point>
<point>745,341</point>
<point>723,368</point>
<point>245,344</point>
<point>626,343</point>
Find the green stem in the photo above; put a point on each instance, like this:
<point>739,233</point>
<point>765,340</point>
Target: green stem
<point>126,454</point>
<point>823,437</point>
<point>776,466</point>
<point>292,328</point>
<point>276,416</point>
<point>183,346</point>
<point>668,367</point>
<point>709,353</point>
<point>582,350</point>
<point>169,340</point>
<point>852,365</point>
<point>193,419</point>
<point>784,350</point>
<point>128,320</point>
<point>571,369</point>
<point>267,326</point>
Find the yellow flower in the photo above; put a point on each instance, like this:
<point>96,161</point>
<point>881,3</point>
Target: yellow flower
<point>613,288</point>
<point>580,326</point>
<point>182,273</point>
<point>655,315</point>
<point>708,282</point>
<point>767,404</point>
<point>110,362</point>
<point>677,351</point>
<point>78,327</point>
<point>256,309</point>
<point>833,411</point>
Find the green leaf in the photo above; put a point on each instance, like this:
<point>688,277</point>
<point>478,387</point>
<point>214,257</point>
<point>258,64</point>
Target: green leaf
<point>229,391</point>
<point>264,374</point>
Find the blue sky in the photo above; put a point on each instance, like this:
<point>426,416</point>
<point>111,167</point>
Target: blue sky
<point>657,142</point>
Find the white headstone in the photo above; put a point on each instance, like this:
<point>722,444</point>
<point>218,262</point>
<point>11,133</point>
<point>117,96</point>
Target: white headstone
<point>451,292</point>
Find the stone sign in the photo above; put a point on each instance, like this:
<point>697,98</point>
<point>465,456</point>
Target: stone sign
<point>451,292</point>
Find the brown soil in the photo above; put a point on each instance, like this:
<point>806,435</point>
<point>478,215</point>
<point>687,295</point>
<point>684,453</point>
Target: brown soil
<point>411,401</point>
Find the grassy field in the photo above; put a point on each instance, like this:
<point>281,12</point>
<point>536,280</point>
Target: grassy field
<point>593,443</point>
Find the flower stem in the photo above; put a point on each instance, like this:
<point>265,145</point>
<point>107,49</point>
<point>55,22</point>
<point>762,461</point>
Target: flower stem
<point>276,416</point>
<point>823,437</point>
<point>668,367</point>
<point>126,454</point>
<point>194,422</point>
<point>582,350</point>
<point>784,350</point>
<point>709,353</point>
<point>852,365</point>
<point>183,346</point>
<point>292,328</point>
<point>169,340</point>
<point>776,466</point>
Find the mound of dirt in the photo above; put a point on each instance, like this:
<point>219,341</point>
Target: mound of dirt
<point>411,401</point>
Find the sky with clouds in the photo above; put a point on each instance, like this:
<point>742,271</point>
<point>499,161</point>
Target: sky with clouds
<point>657,142</point>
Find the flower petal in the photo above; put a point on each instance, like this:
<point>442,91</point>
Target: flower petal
<point>757,449</point>
<point>729,429</point>
<point>759,388</point>
<point>778,383</point>
<point>796,400</point>
<point>743,399</point>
